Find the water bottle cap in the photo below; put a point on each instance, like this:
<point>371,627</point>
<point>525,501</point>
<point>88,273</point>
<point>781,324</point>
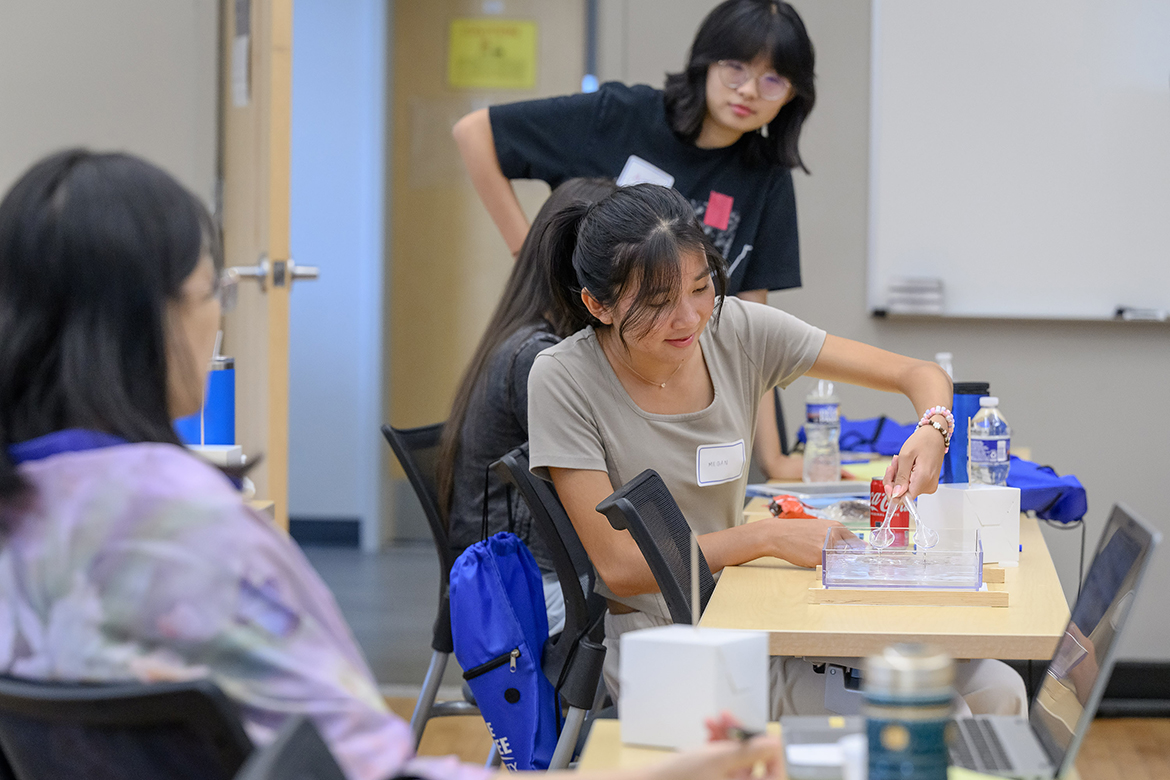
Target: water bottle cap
<point>971,388</point>
<point>988,400</point>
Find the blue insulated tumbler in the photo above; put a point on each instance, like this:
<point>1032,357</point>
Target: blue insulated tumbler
<point>966,406</point>
<point>216,423</point>
<point>219,407</point>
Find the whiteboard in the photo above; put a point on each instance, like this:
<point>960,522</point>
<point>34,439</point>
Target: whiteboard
<point>1020,152</point>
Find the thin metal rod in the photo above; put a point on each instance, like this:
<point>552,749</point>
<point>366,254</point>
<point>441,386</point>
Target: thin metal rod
<point>426,697</point>
<point>567,743</point>
<point>694,581</point>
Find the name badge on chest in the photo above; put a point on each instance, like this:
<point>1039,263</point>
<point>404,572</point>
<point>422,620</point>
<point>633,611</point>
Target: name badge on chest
<point>639,171</point>
<point>719,463</point>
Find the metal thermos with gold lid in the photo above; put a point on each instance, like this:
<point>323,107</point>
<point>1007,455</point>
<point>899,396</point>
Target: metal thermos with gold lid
<point>908,693</point>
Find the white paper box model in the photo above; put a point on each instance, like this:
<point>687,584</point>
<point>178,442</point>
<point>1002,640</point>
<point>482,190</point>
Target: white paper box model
<point>673,678</point>
<point>992,510</point>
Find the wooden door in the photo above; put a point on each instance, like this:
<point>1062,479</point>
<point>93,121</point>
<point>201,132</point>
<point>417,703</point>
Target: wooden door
<point>254,146</point>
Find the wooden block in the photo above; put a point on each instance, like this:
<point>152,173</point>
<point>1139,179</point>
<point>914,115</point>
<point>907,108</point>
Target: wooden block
<point>994,596</point>
<point>993,573</point>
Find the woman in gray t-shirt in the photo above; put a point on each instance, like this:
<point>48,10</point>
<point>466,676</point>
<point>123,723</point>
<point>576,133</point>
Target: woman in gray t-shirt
<point>669,376</point>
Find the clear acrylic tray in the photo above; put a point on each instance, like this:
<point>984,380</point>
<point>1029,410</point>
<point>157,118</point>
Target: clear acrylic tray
<point>956,563</point>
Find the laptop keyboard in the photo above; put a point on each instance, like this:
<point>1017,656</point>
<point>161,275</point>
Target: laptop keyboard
<point>978,747</point>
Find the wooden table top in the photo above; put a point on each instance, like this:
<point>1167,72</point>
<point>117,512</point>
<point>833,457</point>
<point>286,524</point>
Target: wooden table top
<point>772,595</point>
<point>604,750</point>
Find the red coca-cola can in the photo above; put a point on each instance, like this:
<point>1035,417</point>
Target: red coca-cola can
<point>878,503</point>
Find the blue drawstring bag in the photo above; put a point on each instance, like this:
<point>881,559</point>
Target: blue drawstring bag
<point>1049,495</point>
<point>499,626</point>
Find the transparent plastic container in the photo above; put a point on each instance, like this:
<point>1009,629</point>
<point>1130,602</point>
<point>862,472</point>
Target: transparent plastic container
<point>955,564</point>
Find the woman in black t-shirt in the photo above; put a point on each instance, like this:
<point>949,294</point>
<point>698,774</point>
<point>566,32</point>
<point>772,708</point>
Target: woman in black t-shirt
<point>724,132</point>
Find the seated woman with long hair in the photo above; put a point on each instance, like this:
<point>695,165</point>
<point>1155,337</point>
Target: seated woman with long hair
<point>669,376</point>
<point>489,417</point>
<point>123,556</point>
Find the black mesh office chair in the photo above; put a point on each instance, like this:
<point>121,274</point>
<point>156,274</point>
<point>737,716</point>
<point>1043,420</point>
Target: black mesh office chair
<point>417,450</point>
<point>186,731</point>
<point>645,508</point>
<point>572,659</point>
<point>781,428</point>
<point>297,753</point>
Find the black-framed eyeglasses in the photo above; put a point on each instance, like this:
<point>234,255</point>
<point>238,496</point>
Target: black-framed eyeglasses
<point>733,74</point>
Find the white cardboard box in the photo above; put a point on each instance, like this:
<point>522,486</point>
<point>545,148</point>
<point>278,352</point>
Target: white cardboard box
<point>674,678</point>
<point>992,510</point>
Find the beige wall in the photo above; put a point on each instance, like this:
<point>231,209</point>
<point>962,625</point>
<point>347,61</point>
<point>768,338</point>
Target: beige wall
<point>1089,398</point>
<point>124,75</point>
<point>448,263</point>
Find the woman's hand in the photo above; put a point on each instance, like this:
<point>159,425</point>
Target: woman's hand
<point>915,469</point>
<point>800,540</point>
<point>724,757</point>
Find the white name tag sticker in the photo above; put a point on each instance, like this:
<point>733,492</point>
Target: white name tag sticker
<point>638,171</point>
<point>719,463</point>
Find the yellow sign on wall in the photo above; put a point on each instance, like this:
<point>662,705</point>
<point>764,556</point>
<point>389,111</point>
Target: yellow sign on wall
<point>491,54</point>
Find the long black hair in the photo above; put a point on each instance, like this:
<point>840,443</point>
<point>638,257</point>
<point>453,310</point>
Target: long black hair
<point>527,299</point>
<point>92,248</point>
<point>633,239</point>
<point>743,30</point>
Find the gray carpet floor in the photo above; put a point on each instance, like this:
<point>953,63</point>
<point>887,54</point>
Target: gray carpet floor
<point>389,600</point>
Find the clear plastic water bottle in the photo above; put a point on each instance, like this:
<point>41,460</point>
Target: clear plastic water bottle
<point>822,435</point>
<point>989,445</point>
<point>945,359</point>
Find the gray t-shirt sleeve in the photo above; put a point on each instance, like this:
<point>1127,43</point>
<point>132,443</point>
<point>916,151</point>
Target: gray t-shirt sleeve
<point>779,347</point>
<point>562,430</point>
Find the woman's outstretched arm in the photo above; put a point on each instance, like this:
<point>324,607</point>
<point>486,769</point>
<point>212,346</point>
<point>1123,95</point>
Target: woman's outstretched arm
<point>917,466</point>
<point>473,136</point>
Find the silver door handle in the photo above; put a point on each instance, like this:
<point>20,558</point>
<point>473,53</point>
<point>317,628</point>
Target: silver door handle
<point>294,272</point>
<point>259,272</point>
<point>283,272</point>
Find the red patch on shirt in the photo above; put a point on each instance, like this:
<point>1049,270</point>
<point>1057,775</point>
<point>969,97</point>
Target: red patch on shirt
<point>718,210</point>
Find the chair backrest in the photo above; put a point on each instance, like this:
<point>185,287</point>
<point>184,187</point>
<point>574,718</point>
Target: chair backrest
<point>51,730</point>
<point>297,753</point>
<point>574,570</point>
<point>417,450</point>
<point>781,428</point>
<point>645,508</point>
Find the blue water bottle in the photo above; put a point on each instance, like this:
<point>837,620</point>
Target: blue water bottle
<point>966,406</point>
<point>216,421</point>
<point>907,695</point>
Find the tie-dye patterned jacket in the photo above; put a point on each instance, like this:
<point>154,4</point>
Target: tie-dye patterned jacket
<point>140,562</point>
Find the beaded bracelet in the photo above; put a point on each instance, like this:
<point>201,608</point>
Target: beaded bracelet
<point>945,412</point>
<point>947,432</point>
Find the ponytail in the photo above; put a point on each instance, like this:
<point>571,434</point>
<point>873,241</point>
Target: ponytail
<point>559,242</point>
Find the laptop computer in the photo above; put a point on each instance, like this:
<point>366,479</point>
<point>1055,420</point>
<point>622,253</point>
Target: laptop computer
<point>1044,745</point>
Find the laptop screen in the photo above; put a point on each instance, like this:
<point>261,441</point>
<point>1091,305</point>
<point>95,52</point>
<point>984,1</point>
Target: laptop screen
<point>1072,687</point>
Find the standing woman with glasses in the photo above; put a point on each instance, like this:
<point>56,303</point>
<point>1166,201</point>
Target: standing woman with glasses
<point>724,132</point>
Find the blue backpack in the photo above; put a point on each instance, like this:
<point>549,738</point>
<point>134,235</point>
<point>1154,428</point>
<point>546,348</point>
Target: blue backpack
<point>499,626</point>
